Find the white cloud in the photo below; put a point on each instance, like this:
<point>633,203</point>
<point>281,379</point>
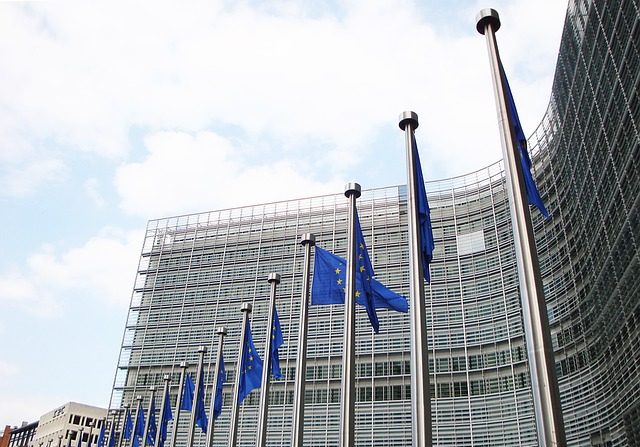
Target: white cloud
<point>280,71</point>
<point>187,173</point>
<point>24,179</point>
<point>16,289</point>
<point>101,269</point>
<point>92,190</point>
<point>7,369</point>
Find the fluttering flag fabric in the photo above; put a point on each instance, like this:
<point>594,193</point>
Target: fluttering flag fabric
<point>364,270</point>
<point>328,285</point>
<point>165,417</point>
<point>112,436</point>
<point>153,427</point>
<point>201,413</point>
<point>100,442</point>
<point>329,280</point>
<point>533,194</point>
<point>187,393</point>
<point>138,432</point>
<point>427,244</point>
<point>251,367</point>
<point>222,377</point>
<point>276,341</point>
<point>128,425</point>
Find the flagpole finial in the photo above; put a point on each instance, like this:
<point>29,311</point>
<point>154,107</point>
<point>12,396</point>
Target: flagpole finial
<point>184,365</point>
<point>488,16</point>
<point>408,117</point>
<point>202,349</point>
<point>166,378</point>
<point>139,398</point>
<point>274,277</point>
<point>152,388</point>
<point>352,188</point>
<point>308,238</point>
<point>221,330</point>
<point>246,307</point>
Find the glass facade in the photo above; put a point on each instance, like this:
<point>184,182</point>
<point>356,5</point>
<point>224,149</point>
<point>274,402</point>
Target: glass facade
<point>196,270</point>
<point>589,168</point>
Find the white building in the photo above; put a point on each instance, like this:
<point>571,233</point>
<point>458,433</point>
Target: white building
<point>60,427</point>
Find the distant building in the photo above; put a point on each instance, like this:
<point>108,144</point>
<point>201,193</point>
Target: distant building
<point>60,427</point>
<point>18,436</point>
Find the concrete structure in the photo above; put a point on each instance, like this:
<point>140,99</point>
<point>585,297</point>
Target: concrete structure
<point>61,427</point>
<point>19,436</point>
<point>195,270</point>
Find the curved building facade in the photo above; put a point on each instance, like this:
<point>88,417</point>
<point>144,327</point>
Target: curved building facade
<point>196,270</point>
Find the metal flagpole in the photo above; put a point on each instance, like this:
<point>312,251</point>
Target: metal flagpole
<point>420,398</point>
<point>274,280</point>
<point>544,384</point>
<point>135,421</point>
<point>222,332</point>
<point>235,407</point>
<point>80,430</point>
<point>59,440</point>
<point>112,432</point>
<point>90,433</point>
<point>127,408</point>
<point>148,421</point>
<point>308,240</point>
<point>196,395</point>
<point>174,429</point>
<point>165,390</point>
<point>348,408</point>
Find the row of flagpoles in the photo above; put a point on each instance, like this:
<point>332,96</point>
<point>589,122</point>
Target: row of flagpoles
<point>352,281</point>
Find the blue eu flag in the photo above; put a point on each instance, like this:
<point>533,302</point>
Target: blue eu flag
<point>128,425</point>
<point>112,436</point>
<point>276,341</point>
<point>165,417</point>
<point>427,244</point>
<point>138,432</point>
<point>153,428</point>
<point>521,141</point>
<point>251,367</point>
<point>100,442</point>
<point>222,377</point>
<point>187,393</point>
<point>329,278</point>
<point>201,414</point>
<point>364,270</point>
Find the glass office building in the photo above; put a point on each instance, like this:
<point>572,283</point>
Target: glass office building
<point>196,270</point>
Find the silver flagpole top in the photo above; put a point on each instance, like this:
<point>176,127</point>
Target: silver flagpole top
<point>202,349</point>
<point>352,188</point>
<point>184,365</point>
<point>308,238</point>
<point>274,277</point>
<point>485,16</point>
<point>246,307</point>
<point>166,378</point>
<point>152,388</point>
<point>139,398</point>
<point>408,117</point>
<point>221,330</point>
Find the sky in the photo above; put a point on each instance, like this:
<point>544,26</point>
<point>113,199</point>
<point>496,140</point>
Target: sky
<point>115,113</point>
